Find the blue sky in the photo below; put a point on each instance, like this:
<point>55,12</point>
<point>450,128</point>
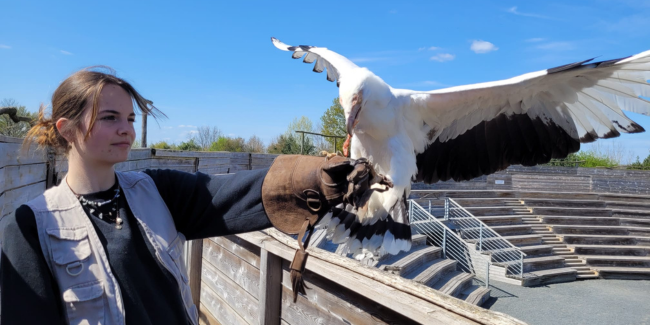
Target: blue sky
<point>212,63</point>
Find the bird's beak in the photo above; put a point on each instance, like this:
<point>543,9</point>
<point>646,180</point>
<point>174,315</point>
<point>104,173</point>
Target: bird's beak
<point>354,113</point>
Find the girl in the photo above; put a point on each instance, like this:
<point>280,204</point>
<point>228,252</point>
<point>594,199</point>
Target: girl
<point>103,247</point>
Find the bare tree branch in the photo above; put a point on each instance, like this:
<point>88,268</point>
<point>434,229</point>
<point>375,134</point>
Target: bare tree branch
<point>12,113</point>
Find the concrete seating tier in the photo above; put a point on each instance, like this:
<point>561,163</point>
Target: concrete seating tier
<point>599,235</point>
<point>424,264</point>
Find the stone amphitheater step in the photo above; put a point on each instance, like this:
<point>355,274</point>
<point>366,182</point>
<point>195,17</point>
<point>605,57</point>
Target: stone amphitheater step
<point>589,230</point>
<point>431,272</point>
<point>628,273</point>
<point>537,250</point>
<point>577,220</point>
<point>642,206</point>
<point>541,263</point>
<point>614,250</point>
<point>486,202</point>
<point>475,294</point>
<point>453,283</point>
<point>636,214</point>
<point>564,203</point>
<point>405,262</point>
<point>494,211</point>
<point>500,220</point>
<point>617,261</point>
<point>635,222</point>
<point>565,274</point>
<point>601,239</point>
<point>510,230</point>
<point>589,276</point>
<point>592,212</point>
<point>624,197</point>
<point>524,240</point>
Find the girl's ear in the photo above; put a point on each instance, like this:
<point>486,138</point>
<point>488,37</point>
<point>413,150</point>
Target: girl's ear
<point>63,126</point>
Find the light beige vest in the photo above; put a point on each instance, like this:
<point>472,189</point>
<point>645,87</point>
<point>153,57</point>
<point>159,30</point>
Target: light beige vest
<point>77,258</point>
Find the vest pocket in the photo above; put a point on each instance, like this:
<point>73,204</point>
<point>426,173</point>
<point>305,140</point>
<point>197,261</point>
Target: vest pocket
<point>69,245</point>
<point>85,304</point>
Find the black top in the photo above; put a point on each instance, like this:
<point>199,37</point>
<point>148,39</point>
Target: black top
<point>201,205</point>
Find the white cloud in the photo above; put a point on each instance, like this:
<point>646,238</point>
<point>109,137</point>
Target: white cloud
<point>431,48</point>
<point>186,126</point>
<point>6,47</point>
<point>65,52</point>
<point>192,132</point>
<point>557,46</point>
<point>443,57</point>
<point>514,11</point>
<point>535,40</point>
<point>480,47</point>
<point>168,127</point>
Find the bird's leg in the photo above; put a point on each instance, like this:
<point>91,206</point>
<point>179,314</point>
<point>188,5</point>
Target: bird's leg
<point>346,146</point>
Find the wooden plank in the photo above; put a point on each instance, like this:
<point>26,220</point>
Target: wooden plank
<point>192,154</point>
<point>22,175</point>
<point>238,270</point>
<point>406,297</point>
<point>244,304</point>
<point>4,138</point>
<point>305,312</point>
<point>196,261</point>
<point>10,155</point>
<point>242,248</point>
<point>206,317</point>
<point>219,308</point>
<point>11,200</point>
<point>140,153</point>
<point>270,288</point>
<point>343,303</point>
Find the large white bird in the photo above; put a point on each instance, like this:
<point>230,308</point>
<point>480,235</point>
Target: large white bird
<point>468,131</point>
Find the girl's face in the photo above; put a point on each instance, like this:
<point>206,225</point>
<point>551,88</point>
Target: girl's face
<point>110,139</point>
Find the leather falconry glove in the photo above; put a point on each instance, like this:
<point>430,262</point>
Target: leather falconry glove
<point>299,190</point>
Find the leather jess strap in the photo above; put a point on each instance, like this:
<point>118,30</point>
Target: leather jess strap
<point>299,261</point>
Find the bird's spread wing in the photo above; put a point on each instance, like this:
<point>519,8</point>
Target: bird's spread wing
<point>476,130</point>
<point>335,63</point>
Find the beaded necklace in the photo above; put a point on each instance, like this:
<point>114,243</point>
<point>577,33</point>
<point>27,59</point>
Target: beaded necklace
<point>112,215</point>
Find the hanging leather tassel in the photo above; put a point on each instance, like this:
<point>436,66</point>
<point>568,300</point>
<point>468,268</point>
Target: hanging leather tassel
<point>299,262</point>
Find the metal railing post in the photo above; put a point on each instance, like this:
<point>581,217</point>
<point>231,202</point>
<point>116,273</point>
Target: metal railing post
<point>487,274</point>
<point>480,238</point>
<point>429,206</point>
<point>521,266</point>
<point>444,242</point>
<point>446,208</point>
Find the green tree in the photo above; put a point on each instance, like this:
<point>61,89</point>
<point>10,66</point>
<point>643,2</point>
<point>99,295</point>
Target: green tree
<point>10,128</point>
<point>333,123</point>
<point>189,145</point>
<point>162,145</point>
<point>225,143</point>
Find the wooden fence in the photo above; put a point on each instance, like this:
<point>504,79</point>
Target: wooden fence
<point>245,280</point>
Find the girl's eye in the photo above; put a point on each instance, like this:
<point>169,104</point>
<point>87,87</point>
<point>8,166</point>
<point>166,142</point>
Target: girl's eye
<point>110,117</point>
<point>132,120</point>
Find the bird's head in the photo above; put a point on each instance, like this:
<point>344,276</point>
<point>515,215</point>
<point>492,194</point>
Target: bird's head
<point>362,94</point>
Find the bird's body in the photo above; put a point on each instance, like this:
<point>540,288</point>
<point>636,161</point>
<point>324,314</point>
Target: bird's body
<point>467,131</point>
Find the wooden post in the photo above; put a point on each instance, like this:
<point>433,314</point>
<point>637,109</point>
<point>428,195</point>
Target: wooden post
<point>270,296</point>
<point>144,131</point>
<point>196,263</point>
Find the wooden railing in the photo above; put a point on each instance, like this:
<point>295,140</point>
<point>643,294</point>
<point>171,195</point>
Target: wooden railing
<point>245,280</point>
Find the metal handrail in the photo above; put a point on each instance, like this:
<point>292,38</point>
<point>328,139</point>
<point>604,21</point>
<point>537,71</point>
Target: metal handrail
<point>453,246</point>
<point>487,241</point>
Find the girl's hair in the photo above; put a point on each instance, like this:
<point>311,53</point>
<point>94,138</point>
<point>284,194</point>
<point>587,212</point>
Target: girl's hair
<point>69,101</point>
